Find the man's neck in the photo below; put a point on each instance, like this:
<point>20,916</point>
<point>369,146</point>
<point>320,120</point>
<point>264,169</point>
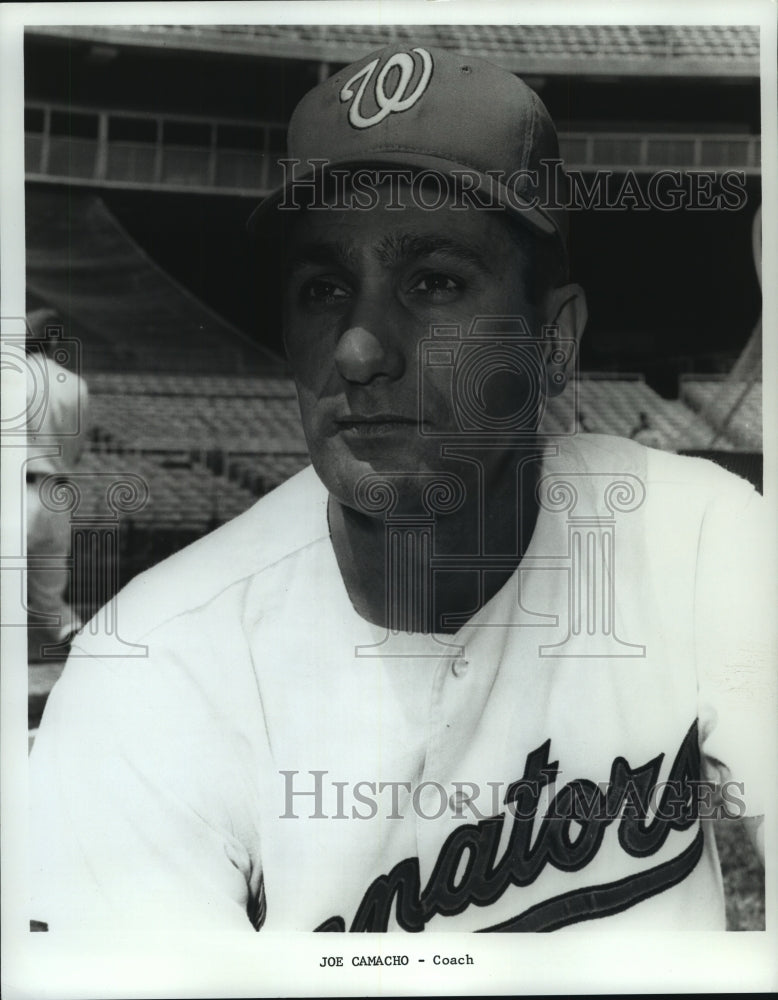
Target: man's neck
<point>414,572</point>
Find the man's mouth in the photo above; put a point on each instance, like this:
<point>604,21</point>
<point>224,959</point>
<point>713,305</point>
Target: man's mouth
<point>375,424</point>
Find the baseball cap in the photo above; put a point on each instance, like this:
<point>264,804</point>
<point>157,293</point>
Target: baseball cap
<point>435,110</point>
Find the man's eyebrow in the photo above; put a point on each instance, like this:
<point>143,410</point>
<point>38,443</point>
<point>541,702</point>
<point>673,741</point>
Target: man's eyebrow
<point>405,247</point>
<point>321,252</point>
<point>394,249</point>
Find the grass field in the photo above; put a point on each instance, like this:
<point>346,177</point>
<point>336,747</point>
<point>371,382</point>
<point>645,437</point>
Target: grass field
<point>743,877</point>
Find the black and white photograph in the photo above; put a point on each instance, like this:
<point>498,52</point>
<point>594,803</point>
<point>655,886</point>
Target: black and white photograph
<point>389,533</point>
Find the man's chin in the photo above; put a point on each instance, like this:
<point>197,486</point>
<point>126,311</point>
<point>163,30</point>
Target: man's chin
<point>391,485</point>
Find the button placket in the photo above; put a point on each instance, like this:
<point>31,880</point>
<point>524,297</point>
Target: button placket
<point>429,835</point>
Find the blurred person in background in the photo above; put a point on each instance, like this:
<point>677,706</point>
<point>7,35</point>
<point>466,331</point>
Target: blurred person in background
<point>646,434</point>
<point>52,450</point>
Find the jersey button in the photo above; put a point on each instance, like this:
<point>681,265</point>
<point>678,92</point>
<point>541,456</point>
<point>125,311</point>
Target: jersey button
<point>459,668</point>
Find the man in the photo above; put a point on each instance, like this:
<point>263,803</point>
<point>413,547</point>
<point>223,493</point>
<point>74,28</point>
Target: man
<point>462,673</point>
<point>58,409</point>
<point>645,434</point>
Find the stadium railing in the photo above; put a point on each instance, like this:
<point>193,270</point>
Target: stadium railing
<point>219,164</point>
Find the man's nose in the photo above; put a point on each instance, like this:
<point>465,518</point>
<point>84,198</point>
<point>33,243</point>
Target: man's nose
<point>369,349</point>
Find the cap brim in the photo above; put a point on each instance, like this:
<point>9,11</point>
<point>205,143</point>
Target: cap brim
<point>533,216</point>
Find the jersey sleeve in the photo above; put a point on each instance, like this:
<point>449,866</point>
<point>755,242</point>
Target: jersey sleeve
<point>736,641</point>
<point>136,799</point>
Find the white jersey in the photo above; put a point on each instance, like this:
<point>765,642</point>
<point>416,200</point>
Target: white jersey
<point>273,760</point>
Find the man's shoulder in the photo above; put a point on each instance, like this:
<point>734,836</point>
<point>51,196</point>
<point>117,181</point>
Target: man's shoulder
<point>281,523</point>
<point>663,475</point>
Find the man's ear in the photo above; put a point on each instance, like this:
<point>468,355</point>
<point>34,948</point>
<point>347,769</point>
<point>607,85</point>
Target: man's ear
<point>284,341</point>
<point>564,309</point>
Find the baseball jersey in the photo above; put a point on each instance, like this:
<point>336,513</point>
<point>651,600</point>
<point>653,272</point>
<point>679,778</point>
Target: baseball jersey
<point>260,757</point>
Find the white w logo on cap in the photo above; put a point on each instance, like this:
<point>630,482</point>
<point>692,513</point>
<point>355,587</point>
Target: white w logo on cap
<point>399,99</point>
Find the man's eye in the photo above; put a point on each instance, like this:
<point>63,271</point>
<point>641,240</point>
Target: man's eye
<point>322,291</point>
<point>437,286</point>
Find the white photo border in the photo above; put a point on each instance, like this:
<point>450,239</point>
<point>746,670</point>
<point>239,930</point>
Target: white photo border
<point>584,960</point>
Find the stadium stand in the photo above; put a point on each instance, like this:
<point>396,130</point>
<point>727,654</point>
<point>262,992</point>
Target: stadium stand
<point>613,406</point>
<point>185,495</point>
<point>262,473</point>
<point>637,49</point>
<point>732,410</point>
<point>150,383</point>
<point>156,414</point>
<point>258,417</point>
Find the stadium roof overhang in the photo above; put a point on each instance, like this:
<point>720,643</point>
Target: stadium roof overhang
<point>647,56</point>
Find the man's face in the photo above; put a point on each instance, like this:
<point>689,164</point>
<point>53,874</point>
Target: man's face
<point>362,290</point>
